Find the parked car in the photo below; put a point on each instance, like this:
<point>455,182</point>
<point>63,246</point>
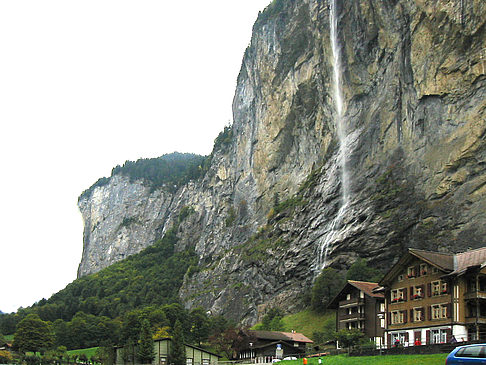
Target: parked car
<point>469,354</point>
<point>290,358</point>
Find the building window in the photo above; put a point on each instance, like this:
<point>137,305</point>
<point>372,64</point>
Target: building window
<point>188,361</point>
<point>397,317</point>
<point>423,269</point>
<point>348,296</point>
<point>382,307</point>
<point>418,314</point>
<point>382,322</point>
<point>439,336</point>
<point>439,287</point>
<point>400,337</point>
<point>417,292</point>
<point>400,277</point>
<point>163,360</point>
<point>439,311</point>
<point>205,362</point>
<point>411,272</point>
<point>434,270</point>
<point>436,287</point>
<point>397,295</point>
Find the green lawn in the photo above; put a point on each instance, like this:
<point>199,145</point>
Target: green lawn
<point>88,352</point>
<point>435,359</point>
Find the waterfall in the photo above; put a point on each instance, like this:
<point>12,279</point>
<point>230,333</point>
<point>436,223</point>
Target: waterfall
<point>333,228</point>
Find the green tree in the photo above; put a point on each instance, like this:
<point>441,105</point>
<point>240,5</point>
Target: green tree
<point>145,352</point>
<point>33,334</point>
<point>361,271</point>
<point>349,338</point>
<point>177,354</point>
<point>131,327</point>
<point>106,353</point>
<point>276,324</point>
<point>3,341</point>
<point>327,333</point>
<point>325,288</point>
<point>200,325</point>
<point>269,321</point>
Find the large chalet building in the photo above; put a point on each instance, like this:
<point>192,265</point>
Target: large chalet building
<point>357,306</point>
<point>434,297</point>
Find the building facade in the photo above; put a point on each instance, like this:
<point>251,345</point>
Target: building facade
<point>358,307</point>
<point>194,355</point>
<point>433,297</point>
<point>263,346</point>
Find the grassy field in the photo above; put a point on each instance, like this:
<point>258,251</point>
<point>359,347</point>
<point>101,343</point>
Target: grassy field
<point>88,352</point>
<point>436,359</point>
<point>306,322</point>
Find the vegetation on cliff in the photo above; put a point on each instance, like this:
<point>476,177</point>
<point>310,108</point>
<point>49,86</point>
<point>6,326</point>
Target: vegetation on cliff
<point>170,171</point>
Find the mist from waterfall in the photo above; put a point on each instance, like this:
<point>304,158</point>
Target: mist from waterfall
<point>342,138</point>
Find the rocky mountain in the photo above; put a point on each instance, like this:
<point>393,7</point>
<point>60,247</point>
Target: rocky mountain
<point>359,130</point>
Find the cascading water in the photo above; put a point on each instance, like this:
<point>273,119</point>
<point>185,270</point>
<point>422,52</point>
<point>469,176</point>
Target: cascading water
<point>342,137</point>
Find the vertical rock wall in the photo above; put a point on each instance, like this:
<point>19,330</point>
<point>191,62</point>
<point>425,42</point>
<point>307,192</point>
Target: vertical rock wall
<point>414,89</point>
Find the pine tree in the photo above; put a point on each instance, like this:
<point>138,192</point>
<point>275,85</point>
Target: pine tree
<point>145,351</point>
<point>177,350</point>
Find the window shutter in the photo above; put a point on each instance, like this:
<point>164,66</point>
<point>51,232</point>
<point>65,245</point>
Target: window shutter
<point>447,288</point>
<point>412,318</point>
<point>429,289</point>
<point>448,310</point>
<point>388,316</point>
<point>411,292</point>
<point>405,294</point>
<point>429,313</point>
<point>406,337</point>
<point>417,270</point>
<point>388,341</point>
<point>427,337</point>
<point>422,314</point>
<point>405,312</point>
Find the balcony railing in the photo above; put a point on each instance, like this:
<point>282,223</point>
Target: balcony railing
<point>472,319</point>
<point>356,316</point>
<point>351,302</point>
<point>475,295</point>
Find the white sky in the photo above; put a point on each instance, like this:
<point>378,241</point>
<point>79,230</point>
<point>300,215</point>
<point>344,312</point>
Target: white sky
<point>86,85</point>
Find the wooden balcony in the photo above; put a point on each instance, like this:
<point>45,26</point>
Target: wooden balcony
<point>475,295</point>
<point>351,303</point>
<point>472,320</point>
<point>352,316</point>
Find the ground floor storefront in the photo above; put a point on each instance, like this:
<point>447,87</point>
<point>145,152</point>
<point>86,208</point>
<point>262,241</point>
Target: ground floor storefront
<point>428,336</point>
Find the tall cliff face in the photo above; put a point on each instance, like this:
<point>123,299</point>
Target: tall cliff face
<point>414,92</point>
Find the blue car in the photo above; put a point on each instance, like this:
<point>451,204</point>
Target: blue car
<point>470,354</point>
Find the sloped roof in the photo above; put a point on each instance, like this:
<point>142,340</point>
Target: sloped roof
<point>367,287</point>
<point>283,336</point>
<point>467,259</point>
<point>444,261</point>
<point>450,264</point>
